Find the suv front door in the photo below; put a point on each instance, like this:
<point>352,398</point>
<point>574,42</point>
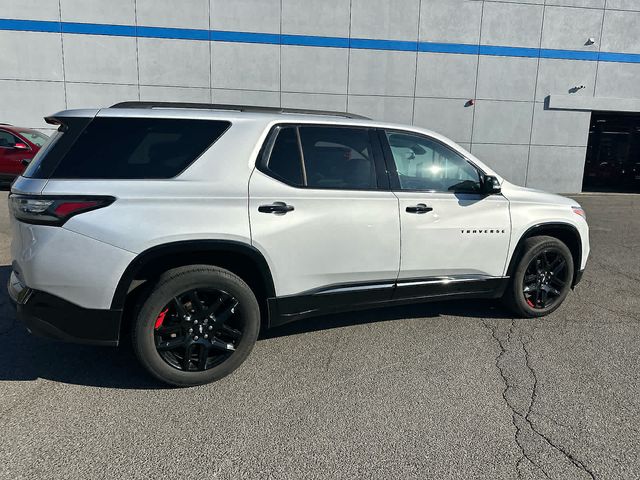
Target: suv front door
<point>322,214</point>
<point>12,151</point>
<point>454,238</point>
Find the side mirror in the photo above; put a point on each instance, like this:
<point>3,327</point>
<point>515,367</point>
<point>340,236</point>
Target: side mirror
<point>21,146</point>
<point>490,185</point>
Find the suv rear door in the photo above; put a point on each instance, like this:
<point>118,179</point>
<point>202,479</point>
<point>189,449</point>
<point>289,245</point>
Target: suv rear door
<point>321,211</point>
<point>454,238</point>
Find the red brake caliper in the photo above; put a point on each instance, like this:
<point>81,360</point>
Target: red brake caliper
<point>160,318</point>
<point>528,301</point>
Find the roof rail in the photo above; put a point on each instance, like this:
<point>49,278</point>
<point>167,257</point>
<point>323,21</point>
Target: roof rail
<point>239,108</point>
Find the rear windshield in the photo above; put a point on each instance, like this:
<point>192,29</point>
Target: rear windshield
<point>134,148</point>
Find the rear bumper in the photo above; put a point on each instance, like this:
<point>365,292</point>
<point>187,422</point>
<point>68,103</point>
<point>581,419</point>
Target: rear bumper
<point>49,316</point>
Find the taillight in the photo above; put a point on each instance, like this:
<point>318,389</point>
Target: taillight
<point>52,210</point>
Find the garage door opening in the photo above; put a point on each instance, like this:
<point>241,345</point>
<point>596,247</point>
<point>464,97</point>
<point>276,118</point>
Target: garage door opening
<point>613,153</point>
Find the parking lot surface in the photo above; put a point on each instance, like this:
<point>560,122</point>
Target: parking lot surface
<point>442,390</point>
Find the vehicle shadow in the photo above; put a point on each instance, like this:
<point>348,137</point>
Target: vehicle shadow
<point>24,357</point>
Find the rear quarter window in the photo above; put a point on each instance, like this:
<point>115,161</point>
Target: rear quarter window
<point>138,148</point>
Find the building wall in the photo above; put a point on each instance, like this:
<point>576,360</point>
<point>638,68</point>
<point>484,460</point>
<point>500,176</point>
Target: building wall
<point>406,61</point>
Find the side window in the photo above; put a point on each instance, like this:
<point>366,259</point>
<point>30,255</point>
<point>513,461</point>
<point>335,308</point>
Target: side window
<point>7,140</point>
<point>338,158</point>
<point>285,162</point>
<point>425,164</point>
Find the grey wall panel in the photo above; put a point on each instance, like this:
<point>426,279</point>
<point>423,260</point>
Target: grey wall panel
<point>502,122</point>
<point>97,95</point>
<point>446,75</point>
<point>618,80</point>
<point>309,17</point>
<point>174,94</point>
<point>510,161</point>
<point>169,13</point>
<point>559,127</point>
<point>561,77</point>
<point>246,97</point>
<point>385,19</point>
<point>450,21</point>
<point>246,15</point>
<point>556,169</point>
<point>318,101</point>
<point>570,28</point>
<point>578,3</point>
<point>30,9</point>
<point>512,24</point>
<point>388,109</point>
<point>314,70</point>
<point>45,98</point>
<point>245,66</point>
<point>532,2</point>
<point>42,59</point>
<point>120,12</point>
<point>624,4</point>
<point>504,78</point>
<point>378,72</point>
<point>621,32</point>
<point>447,116</point>
<point>100,59</point>
<point>182,63</point>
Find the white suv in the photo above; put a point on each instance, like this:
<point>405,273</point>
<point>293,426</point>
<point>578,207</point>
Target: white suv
<point>196,225</point>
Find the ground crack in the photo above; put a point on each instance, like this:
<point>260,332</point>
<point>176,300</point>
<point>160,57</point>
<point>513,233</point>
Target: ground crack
<point>514,412</point>
<point>523,414</point>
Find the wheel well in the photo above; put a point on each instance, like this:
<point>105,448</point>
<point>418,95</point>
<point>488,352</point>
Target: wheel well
<point>243,260</point>
<point>566,233</point>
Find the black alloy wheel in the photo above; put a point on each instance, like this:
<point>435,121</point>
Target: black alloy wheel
<point>198,329</point>
<point>545,279</point>
<point>196,324</point>
<point>541,277</point>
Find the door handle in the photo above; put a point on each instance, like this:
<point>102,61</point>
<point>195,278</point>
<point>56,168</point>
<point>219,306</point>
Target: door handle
<point>276,207</point>
<point>419,208</point>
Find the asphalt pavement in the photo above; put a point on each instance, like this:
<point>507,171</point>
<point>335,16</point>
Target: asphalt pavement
<point>436,391</point>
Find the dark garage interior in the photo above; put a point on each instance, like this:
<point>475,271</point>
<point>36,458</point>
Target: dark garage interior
<point>613,153</point>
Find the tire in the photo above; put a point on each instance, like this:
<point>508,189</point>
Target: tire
<point>196,325</point>
<point>531,276</point>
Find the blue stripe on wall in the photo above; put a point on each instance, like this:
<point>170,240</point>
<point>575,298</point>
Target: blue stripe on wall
<point>308,40</point>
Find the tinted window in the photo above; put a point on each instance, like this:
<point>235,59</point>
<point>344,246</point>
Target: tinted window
<point>285,162</point>
<point>337,157</point>
<point>425,164</point>
<point>7,140</point>
<point>134,148</point>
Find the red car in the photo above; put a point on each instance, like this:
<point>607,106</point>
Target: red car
<point>17,144</point>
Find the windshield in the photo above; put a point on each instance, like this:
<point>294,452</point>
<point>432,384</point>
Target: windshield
<point>34,137</point>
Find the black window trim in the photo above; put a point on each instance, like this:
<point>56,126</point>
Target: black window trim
<point>393,170</point>
<point>382,175</point>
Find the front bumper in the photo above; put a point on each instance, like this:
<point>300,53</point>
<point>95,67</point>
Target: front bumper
<point>49,316</point>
